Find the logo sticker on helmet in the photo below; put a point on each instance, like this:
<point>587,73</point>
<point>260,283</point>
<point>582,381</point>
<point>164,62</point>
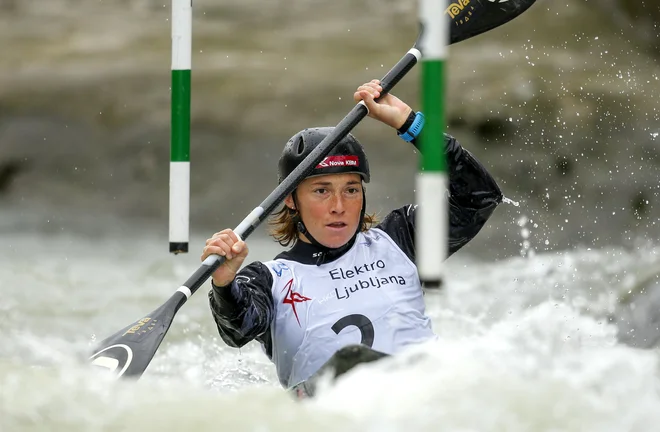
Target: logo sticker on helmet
<point>339,161</point>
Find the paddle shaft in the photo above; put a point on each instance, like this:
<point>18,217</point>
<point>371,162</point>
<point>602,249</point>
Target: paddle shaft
<point>289,184</point>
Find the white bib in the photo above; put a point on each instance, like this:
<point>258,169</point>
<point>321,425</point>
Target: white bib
<point>370,295</point>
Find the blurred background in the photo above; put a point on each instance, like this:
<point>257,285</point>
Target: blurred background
<point>560,104</point>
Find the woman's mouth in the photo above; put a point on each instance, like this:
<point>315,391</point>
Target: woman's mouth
<point>336,225</point>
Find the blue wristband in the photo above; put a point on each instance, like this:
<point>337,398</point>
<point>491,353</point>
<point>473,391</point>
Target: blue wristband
<point>414,129</point>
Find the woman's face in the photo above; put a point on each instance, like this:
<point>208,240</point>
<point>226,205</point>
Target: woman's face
<point>330,206</point>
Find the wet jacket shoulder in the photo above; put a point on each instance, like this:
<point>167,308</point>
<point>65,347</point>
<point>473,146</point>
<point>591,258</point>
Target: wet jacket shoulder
<point>473,196</point>
<point>243,310</point>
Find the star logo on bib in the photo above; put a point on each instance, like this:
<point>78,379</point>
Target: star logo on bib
<point>292,298</point>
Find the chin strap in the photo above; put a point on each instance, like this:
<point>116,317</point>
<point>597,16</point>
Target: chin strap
<point>326,252</point>
<point>300,226</point>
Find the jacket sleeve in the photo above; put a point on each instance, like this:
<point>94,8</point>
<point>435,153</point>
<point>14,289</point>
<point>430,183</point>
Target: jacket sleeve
<point>473,196</point>
<point>243,310</point>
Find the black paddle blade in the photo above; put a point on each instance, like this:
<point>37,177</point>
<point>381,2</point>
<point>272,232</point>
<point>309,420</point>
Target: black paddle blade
<point>470,18</point>
<point>128,352</point>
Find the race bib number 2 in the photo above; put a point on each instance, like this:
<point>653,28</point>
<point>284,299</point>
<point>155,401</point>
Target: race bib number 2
<point>362,323</point>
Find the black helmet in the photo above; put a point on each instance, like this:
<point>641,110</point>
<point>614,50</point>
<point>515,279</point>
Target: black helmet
<point>346,157</point>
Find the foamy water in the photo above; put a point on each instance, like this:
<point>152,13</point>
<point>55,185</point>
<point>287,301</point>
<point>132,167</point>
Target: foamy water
<point>525,344</point>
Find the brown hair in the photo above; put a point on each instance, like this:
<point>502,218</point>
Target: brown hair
<point>283,225</point>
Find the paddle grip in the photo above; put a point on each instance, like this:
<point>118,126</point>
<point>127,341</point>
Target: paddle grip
<point>204,272</point>
<point>399,70</point>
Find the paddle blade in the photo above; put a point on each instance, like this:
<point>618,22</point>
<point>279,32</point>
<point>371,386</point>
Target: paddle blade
<point>128,352</point>
<point>470,18</point>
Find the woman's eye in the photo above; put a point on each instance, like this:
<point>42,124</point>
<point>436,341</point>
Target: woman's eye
<point>320,190</point>
<point>353,190</point>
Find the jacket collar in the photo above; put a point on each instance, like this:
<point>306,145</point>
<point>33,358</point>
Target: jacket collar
<point>307,253</point>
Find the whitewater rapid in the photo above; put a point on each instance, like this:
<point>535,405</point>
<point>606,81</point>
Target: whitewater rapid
<point>525,343</point>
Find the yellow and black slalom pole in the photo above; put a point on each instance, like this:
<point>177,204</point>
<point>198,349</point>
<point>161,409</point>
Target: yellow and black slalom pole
<point>180,126</point>
<point>432,221</point>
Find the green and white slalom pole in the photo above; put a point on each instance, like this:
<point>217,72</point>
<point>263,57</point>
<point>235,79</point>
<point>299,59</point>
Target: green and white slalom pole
<point>180,124</point>
<point>432,219</point>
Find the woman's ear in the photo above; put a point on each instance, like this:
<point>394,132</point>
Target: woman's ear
<point>288,201</point>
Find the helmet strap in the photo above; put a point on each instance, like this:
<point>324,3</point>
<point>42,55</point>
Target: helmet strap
<point>300,225</point>
<point>364,210</point>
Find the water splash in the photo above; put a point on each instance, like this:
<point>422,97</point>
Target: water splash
<point>526,247</point>
<point>506,200</point>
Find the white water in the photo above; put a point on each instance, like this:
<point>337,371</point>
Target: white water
<point>524,345</point>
